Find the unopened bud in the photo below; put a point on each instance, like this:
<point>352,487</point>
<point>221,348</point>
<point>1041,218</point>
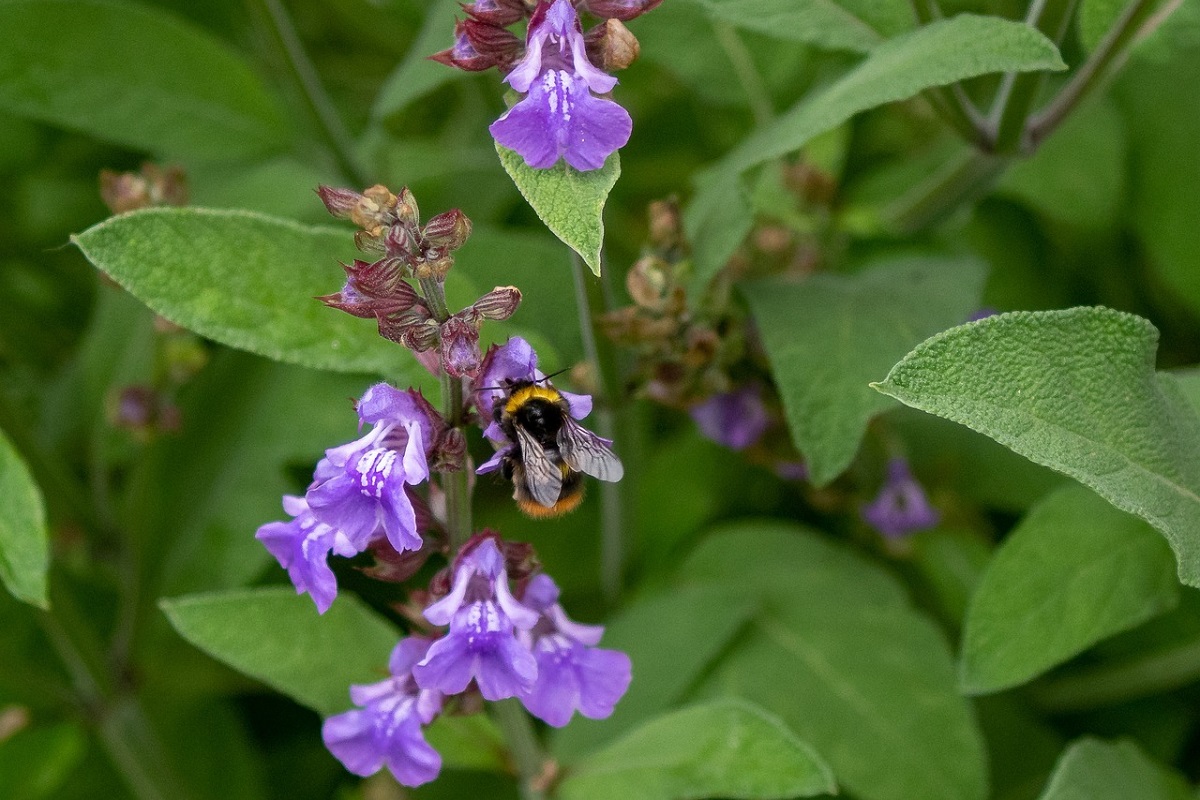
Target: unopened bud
<point>498,304</point>
<point>451,451</point>
<point>339,202</point>
<point>646,281</point>
<point>447,231</point>
<point>611,46</point>
<point>460,347</point>
<point>665,223</point>
<point>619,9</point>
<point>375,209</point>
<point>492,41</point>
<point>463,54</point>
<point>435,267</point>
<point>497,12</point>
<point>370,242</point>
<point>399,242</point>
<point>406,208</point>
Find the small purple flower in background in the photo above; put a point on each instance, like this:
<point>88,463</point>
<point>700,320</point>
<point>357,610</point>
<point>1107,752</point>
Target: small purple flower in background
<point>572,674</point>
<point>482,643</point>
<point>982,313</point>
<point>901,507</point>
<point>360,486</point>
<point>302,547</point>
<point>559,116</point>
<point>386,731</point>
<point>734,419</point>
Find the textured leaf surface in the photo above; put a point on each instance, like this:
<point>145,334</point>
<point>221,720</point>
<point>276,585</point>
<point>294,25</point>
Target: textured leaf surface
<point>134,76</point>
<point>570,202</point>
<point>829,335</point>
<point>667,658</point>
<point>1075,571</point>
<point>24,542</point>
<point>1094,770</point>
<point>246,280</point>
<point>934,55</point>
<point>277,636</point>
<point>837,652</point>
<point>1074,390</point>
<point>723,748</point>
<point>837,26</point>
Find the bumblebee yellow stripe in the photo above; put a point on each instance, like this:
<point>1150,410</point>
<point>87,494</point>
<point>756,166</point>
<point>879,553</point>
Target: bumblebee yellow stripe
<point>533,392</point>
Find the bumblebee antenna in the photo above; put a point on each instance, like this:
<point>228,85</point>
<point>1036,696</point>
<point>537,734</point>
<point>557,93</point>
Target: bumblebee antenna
<point>539,380</point>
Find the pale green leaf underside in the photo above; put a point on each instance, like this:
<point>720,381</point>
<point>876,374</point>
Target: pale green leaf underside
<point>1091,769</point>
<point>829,335</point>
<point>246,280</point>
<point>569,202</point>
<point>837,652</point>
<point>135,76</point>
<point>935,55</point>
<point>24,542</point>
<point>278,637</point>
<point>723,748</point>
<point>1076,391</point>
<point>1075,571</point>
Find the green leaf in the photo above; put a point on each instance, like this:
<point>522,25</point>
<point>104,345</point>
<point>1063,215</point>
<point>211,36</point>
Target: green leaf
<point>828,335</point>
<point>723,748</point>
<point>941,53</point>
<point>246,280</point>
<point>135,76</point>
<point>1076,391</point>
<point>1094,770</point>
<point>416,75</point>
<point>24,542</point>
<point>279,638</point>
<point>1075,571</point>
<point>35,763</point>
<point>570,202</point>
<point>839,654</point>
<point>472,742</point>
<point>672,639</point>
<point>824,23</point>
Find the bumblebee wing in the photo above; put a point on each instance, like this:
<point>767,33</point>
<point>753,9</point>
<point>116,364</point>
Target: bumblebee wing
<point>584,451</point>
<point>543,478</point>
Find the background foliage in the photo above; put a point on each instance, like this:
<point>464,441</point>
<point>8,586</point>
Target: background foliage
<point>1042,642</point>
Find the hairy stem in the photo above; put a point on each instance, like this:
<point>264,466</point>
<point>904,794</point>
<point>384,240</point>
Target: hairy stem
<point>320,105</point>
<point>527,754</point>
<point>1138,19</point>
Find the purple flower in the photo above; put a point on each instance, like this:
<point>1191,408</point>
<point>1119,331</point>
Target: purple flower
<point>503,365</point>
<point>482,644</point>
<point>302,547</point>
<point>901,507</point>
<point>360,486</point>
<point>560,117</point>
<point>735,419</point>
<point>386,731</point>
<point>572,674</point>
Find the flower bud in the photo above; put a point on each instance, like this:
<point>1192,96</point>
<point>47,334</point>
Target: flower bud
<point>618,9</point>
<point>406,209</point>
<point>451,451</point>
<point>460,347</point>
<point>370,242</point>
<point>375,209</point>
<point>665,224</point>
<point>339,202</point>
<point>492,41</point>
<point>447,231</point>
<point>646,282</point>
<point>463,54</point>
<point>497,12</point>
<point>150,186</point>
<point>435,267</point>
<point>399,242</point>
<point>611,46</point>
<point>498,304</point>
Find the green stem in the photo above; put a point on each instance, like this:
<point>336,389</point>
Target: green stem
<point>1107,684</point>
<point>951,103</point>
<point>589,301</point>
<point>319,103</point>
<point>747,73</point>
<point>527,754</point>
<point>1018,92</point>
<point>1136,20</point>
<point>946,191</point>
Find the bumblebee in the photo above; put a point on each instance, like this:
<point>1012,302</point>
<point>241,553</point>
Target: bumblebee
<point>551,451</point>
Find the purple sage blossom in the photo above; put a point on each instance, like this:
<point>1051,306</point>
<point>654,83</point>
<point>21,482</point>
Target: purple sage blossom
<point>734,419</point>
<point>559,116</point>
<point>572,674</point>
<point>901,507</point>
<point>513,361</point>
<point>386,730</point>
<point>482,644</point>
<point>360,486</point>
<point>302,547</point>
